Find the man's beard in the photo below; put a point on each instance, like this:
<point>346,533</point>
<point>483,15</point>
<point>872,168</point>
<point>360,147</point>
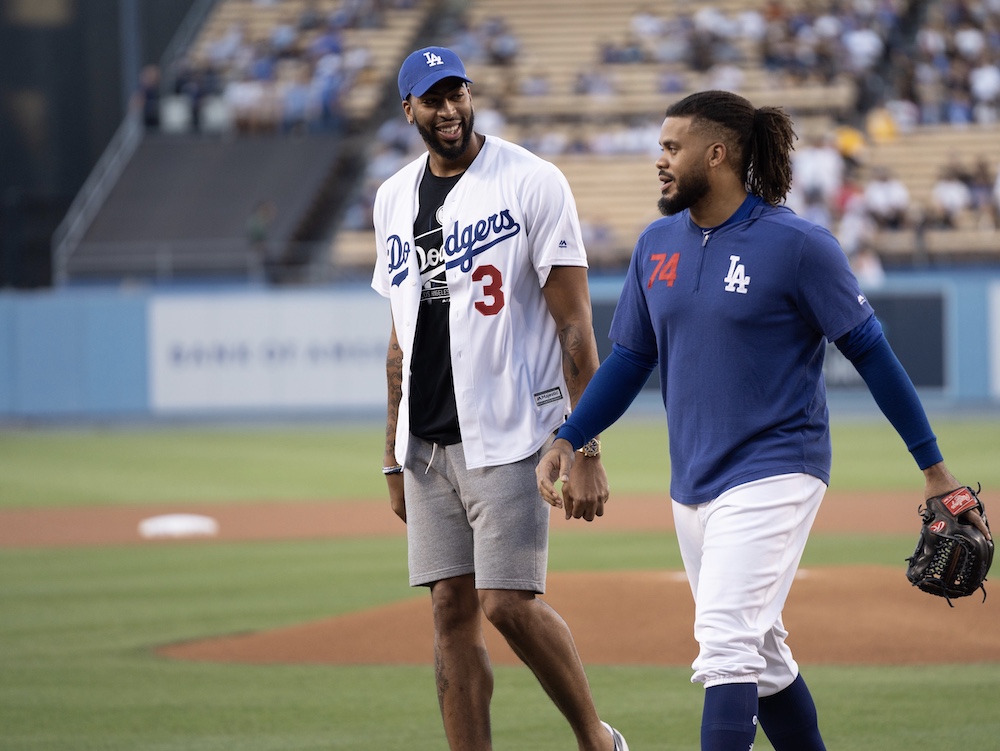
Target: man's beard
<point>686,194</point>
<point>449,152</point>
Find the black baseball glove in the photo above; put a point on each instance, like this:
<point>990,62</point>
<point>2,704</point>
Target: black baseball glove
<point>952,558</point>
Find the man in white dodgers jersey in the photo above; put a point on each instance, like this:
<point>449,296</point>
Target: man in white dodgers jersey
<point>479,251</point>
<point>734,298</point>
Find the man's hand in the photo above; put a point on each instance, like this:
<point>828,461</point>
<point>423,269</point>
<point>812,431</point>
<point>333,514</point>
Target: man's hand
<point>554,466</point>
<point>396,498</point>
<point>586,492</point>
<point>584,482</point>
<point>938,481</point>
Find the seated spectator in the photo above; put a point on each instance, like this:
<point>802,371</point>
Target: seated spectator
<point>608,52</point>
<point>817,169</point>
<point>671,80</point>
<point>864,48</point>
<point>958,107</point>
<point>544,139</point>
<point>226,48</point>
<point>245,98</point>
<point>718,31</point>
<point>854,226</point>
<point>996,197</point>
<point>297,111</point>
<point>725,76</point>
<point>867,267</point>
<point>284,40</point>
<point>880,125</point>
<point>646,24</point>
<point>263,63</point>
<point>330,82</point>
<point>904,113</point>
<point>578,141</point>
<point>815,209</point>
<point>984,85</point>
<point>502,44</point>
<point>146,100</point>
<point>599,240</point>
<point>328,42</point>
<point>969,40</point>
<point>986,213</point>
<point>490,118</point>
<point>595,82</point>
<point>674,45</point>
<point>535,83</point>
<point>950,199</point>
<point>467,42</point>
<point>634,137</point>
<point>358,14</point>
<point>751,26</point>
<point>311,17</point>
<point>633,50</point>
<point>851,143</point>
<point>887,200</point>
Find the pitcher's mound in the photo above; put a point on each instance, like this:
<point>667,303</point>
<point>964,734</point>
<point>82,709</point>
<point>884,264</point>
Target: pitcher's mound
<point>861,615</point>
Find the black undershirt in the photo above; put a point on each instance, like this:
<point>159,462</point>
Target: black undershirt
<point>433,413</point>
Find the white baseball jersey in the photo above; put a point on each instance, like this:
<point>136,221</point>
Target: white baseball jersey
<point>505,224</point>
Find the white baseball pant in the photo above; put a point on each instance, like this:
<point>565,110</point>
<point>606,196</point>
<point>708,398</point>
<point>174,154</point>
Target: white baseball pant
<point>741,552</point>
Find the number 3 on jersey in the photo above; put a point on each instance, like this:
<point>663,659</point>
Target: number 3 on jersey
<point>666,269</point>
<point>492,289</point>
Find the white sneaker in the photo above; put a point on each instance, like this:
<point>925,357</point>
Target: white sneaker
<point>620,744</point>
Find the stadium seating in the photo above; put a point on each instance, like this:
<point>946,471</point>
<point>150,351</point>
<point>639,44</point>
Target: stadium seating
<point>562,44</point>
<point>614,191</point>
<point>384,44</point>
<point>917,159</point>
<point>179,209</point>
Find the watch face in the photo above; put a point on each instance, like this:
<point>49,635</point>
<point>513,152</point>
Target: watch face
<point>591,448</point>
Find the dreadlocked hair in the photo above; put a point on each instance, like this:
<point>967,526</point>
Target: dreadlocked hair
<point>759,141</point>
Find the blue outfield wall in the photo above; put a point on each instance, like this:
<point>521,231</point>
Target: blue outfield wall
<point>116,353</point>
<point>73,353</point>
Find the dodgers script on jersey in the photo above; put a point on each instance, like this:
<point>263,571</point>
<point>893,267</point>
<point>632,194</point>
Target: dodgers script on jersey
<point>508,220</point>
<point>742,313</point>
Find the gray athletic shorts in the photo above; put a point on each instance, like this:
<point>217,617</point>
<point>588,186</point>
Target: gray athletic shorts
<point>489,521</point>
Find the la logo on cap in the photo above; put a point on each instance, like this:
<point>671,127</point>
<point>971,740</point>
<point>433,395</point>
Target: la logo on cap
<point>433,59</point>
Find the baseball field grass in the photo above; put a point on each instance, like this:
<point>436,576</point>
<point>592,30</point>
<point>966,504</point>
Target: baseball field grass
<point>79,625</point>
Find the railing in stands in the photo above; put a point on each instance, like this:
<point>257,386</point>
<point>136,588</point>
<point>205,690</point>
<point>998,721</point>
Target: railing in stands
<point>183,38</point>
<point>120,148</point>
<point>92,195</point>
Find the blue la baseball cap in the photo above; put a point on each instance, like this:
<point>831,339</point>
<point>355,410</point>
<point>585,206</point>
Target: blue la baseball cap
<point>424,68</point>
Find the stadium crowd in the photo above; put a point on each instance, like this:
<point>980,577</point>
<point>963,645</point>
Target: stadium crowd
<point>292,80</point>
<point>911,64</point>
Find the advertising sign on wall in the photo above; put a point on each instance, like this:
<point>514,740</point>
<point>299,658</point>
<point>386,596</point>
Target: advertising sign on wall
<point>212,352</point>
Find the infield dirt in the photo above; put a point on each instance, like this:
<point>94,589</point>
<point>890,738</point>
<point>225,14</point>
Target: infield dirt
<point>846,615</point>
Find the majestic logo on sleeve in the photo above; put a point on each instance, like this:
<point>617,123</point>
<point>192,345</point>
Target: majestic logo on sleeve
<point>399,253</point>
<point>736,280</point>
<point>461,246</point>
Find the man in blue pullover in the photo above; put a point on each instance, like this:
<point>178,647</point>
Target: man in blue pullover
<point>734,298</point>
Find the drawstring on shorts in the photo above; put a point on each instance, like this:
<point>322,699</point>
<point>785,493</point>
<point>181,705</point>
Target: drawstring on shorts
<point>434,451</point>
